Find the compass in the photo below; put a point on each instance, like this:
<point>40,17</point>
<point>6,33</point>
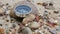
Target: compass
<point>23,9</point>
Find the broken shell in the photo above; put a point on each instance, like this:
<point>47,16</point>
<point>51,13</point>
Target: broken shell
<point>35,25</point>
<point>26,30</point>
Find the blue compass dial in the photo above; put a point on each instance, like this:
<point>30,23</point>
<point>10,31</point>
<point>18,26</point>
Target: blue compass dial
<point>23,9</point>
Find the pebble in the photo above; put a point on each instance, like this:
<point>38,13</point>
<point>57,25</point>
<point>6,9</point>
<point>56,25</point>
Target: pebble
<point>58,28</point>
<point>27,30</point>
<point>29,18</point>
<point>56,12</point>
<point>37,18</point>
<point>44,4</point>
<point>53,31</point>
<point>2,31</point>
<point>1,11</point>
<point>35,25</point>
<point>32,16</point>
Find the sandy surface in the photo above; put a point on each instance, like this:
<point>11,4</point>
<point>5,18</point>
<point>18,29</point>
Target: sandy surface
<point>39,7</point>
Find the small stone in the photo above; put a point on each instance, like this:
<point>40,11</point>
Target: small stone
<point>58,28</point>
<point>27,30</point>
<point>29,18</point>
<point>25,20</point>
<point>50,4</point>
<point>0,24</point>
<point>37,18</point>
<point>45,4</point>
<point>1,11</point>
<point>2,31</point>
<point>53,31</point>
<point>40,3</point>
<point>56,12</point>
<point>35,25</point>
<point>32,16</point>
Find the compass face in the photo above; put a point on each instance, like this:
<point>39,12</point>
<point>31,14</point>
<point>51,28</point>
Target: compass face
<point>23,9</point>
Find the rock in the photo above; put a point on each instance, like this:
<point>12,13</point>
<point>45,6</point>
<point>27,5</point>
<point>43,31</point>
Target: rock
<point>2,31</point>
<point>14,32</point>
<point>25,20</point>
<point>58,28</point>
<point>35,25</point>
<point>53,31</point>
<point>26,30</point>
<point>31,17</point>
<point>37,18</point>
<point>1,10</point>
<point>58,32</point>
